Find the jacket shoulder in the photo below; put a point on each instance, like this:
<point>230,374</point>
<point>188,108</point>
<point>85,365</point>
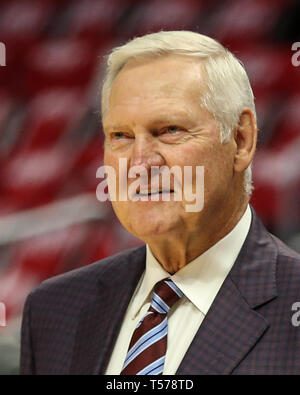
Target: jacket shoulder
<point>89,276</point>
<point>284,250</point>
<point>288,268</point>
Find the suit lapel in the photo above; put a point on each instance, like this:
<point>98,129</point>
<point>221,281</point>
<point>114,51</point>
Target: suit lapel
<point>100,320</point>
<point>227,333</point>
<point>233,326</point>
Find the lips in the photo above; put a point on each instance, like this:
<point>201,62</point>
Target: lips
<point>146,191</point>
<point>151,193</point>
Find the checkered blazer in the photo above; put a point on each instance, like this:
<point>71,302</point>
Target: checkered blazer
<point>71,321</point>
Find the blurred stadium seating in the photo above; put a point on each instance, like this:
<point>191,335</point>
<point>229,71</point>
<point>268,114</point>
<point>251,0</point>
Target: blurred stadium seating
<point>50,130</point>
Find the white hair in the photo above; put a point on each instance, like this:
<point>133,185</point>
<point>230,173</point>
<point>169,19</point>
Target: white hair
<point>227,88</point>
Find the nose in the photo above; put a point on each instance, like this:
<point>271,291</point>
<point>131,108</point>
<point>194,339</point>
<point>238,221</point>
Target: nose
<point>145,152</point>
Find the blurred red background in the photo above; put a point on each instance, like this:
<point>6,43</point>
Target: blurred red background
<point>50,127</point>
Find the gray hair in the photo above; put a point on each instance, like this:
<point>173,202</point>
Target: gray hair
<point>228,91</point>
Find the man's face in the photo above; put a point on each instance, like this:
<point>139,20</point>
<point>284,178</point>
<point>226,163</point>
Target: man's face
<point>155,119</point>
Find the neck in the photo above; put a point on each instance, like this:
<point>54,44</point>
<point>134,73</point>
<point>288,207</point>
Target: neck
<point>176,250</point>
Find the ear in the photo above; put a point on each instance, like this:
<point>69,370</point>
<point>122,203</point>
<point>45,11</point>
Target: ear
<point>245,137</point>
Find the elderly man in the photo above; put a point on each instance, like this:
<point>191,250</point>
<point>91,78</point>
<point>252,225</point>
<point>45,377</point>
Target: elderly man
<point>211,292</point>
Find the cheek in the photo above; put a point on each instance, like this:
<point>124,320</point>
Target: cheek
<point>109,158</point>
<point>193,155</point>
<point>112,160</point>
<point>215,159</point>
<point>218,175</point>
<point>183,156</point>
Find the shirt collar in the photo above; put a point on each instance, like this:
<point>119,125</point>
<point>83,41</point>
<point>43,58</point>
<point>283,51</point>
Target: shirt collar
<point>202,278</point>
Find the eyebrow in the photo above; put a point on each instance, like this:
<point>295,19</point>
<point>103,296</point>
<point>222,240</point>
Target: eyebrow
<point>115,127</point>
<point>173,120</point>
<point>179,117</point>
<point>169,120</point>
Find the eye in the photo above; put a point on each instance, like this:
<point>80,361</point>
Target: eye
<point>172,129</point>
<point>171,134</point>
<point>117,135</point>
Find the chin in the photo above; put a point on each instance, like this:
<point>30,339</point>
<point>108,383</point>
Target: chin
<point>147,221</point>
<point>147,228</point>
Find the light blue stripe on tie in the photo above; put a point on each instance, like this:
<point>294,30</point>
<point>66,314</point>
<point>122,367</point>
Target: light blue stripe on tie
<point>158,370</point>
<point>146,345</point>
<point>155,367</point>
<point>146,341</point>
<point>157,300</point>
<point>157,307</point>
<point>175,288</point>
<point>147,335</point>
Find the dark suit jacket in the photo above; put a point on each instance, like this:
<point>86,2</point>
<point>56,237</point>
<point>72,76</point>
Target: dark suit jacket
<point>71,321</point>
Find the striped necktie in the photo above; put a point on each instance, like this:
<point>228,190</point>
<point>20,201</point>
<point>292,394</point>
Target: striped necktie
<point>147,349</point>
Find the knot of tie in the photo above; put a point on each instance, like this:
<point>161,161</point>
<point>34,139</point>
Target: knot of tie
<point>165,294</point>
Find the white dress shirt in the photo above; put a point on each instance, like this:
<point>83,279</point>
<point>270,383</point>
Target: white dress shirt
<point>200,282</point>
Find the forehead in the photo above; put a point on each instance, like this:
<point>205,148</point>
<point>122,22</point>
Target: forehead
<point>171,81</point>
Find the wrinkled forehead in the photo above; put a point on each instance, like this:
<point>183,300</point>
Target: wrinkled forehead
<point>160,80</point>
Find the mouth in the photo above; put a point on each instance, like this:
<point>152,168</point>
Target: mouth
<point>145,195</point>
<point>153,193</point>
